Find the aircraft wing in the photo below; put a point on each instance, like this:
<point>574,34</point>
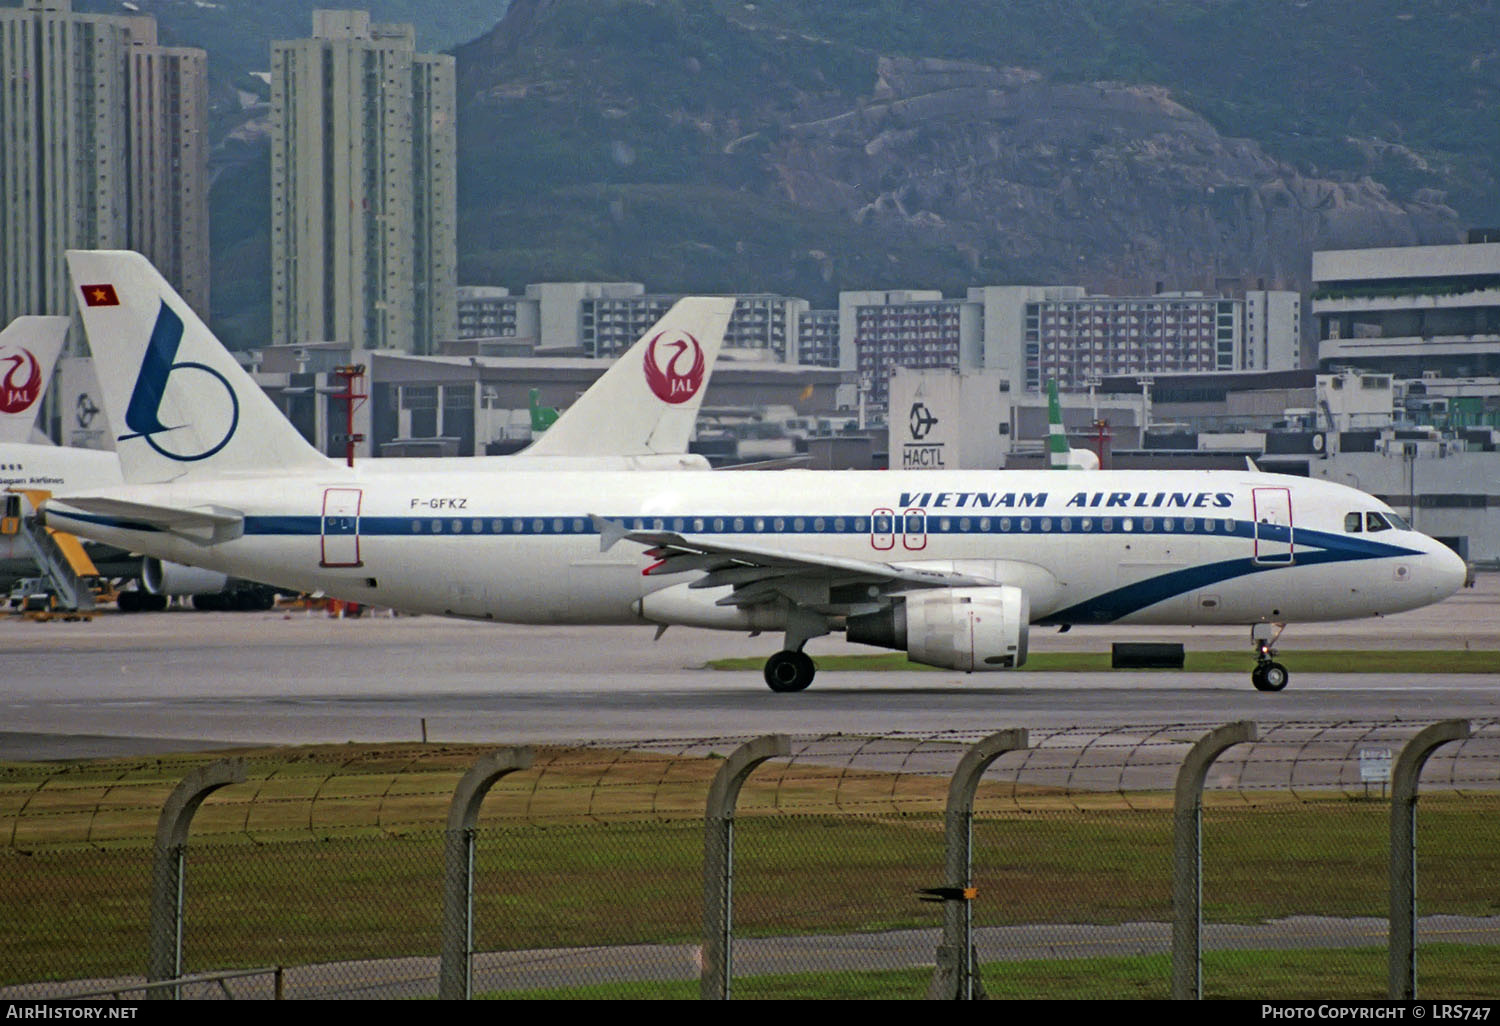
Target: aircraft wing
<point>760,573</point>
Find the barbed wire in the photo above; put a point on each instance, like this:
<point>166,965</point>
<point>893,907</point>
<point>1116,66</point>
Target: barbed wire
<point>392,790</point>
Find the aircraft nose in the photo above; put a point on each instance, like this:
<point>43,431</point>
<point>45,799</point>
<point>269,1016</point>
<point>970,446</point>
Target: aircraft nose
<point>1448,571</point>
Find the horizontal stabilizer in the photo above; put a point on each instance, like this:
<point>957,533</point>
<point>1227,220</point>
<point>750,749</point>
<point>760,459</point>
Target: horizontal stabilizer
<point>166,518</point>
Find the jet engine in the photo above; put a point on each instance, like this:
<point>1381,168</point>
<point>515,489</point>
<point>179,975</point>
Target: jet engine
<point>162,578</point>
<point>956,628</point>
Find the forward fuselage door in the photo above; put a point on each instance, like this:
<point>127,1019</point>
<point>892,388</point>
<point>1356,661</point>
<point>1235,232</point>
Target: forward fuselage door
<point>340,527</point>
<point>1273,525</point>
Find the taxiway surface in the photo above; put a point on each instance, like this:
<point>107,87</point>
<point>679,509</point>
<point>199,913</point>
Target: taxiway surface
<point>135,684</point>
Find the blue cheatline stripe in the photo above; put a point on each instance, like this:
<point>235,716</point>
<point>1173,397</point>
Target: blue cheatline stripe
<point>1345,546</point>
<point>1112,605</point>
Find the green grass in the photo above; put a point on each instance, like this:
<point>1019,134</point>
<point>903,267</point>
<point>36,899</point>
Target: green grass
<point>611,853</point>
<point>1448,971</point>
<point>1393,661</point>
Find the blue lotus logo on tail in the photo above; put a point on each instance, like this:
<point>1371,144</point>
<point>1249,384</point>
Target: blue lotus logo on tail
<point>143,414</point>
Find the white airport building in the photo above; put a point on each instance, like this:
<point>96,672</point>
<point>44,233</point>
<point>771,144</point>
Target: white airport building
<point>1411,310</point>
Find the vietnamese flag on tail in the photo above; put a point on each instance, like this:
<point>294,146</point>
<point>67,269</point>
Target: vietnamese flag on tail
<point>100,295</point>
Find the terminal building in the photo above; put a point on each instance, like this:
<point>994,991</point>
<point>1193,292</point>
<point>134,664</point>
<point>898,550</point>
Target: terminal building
<point>481,405</point>
<point>1411,311</point>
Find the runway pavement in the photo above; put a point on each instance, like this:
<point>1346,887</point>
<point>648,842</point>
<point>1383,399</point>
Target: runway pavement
<point>141,683</point>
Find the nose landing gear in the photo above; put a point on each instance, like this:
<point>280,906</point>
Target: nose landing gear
<point>1268,674</point>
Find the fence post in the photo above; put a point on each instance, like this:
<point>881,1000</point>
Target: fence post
<point>456,961</point>
<point>1404,780</point>
<point>957,973</point>
<point>718,859</point>
<point>164,941</point>
<point>1187,855</point>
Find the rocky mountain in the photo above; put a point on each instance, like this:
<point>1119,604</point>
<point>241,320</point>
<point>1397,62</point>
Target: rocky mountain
<point>729,146</point>
<point>808,146</point>
<point>1114,185</point>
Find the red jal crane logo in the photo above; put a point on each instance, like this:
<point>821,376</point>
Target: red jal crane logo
<point>671,382</point>
<point>20,381</point>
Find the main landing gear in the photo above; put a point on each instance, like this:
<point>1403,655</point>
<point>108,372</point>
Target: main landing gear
<point>792,669</point>
<point>1268,674</point>
<point>789,671</point>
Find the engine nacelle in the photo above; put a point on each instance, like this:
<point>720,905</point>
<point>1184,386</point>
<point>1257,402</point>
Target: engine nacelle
<point>160,578</point>
<point>971,629</point>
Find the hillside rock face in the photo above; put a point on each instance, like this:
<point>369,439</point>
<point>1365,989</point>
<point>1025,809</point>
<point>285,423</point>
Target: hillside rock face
<point>937,173</point>
<point>1101,184</point>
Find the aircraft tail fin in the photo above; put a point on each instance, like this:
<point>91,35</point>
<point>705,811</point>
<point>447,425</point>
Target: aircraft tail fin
<point>1057,438</point>
<point>647,403</point>
<point>29,347</point>
<point>182,404</point>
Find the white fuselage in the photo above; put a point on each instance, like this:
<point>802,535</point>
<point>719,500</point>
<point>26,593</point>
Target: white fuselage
<point>48,468</point>
<point>1165,547</point>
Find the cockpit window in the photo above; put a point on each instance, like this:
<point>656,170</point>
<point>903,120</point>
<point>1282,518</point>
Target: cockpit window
<point>1397,522</point>
<point>1376,522</point>
<point>1352,522</point>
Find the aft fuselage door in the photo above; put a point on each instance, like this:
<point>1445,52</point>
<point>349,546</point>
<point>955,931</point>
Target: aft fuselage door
<point>340,527</point>
<point>1273,525</point>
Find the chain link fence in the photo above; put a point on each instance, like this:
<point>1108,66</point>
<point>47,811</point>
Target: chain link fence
<point>322,872</point>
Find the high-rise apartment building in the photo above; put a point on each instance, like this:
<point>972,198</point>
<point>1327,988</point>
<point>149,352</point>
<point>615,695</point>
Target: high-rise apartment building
<point>102,145</point>
<point>364,189</point>
<point>1033,333</point>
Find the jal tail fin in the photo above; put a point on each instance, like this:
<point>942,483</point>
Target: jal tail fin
<point>29,347</point>
<point>1057,438</point>
<point>183,407</point>
<point>648,401</point>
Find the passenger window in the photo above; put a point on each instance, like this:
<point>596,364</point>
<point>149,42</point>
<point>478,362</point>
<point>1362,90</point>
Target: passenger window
<point>1352,523</point>
<point>1375,522</point>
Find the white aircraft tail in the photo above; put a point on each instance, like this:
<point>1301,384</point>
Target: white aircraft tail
<point>28,352</point>
<point>184,408</point>
<point>1060,455</point>
<point>647,403</point>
